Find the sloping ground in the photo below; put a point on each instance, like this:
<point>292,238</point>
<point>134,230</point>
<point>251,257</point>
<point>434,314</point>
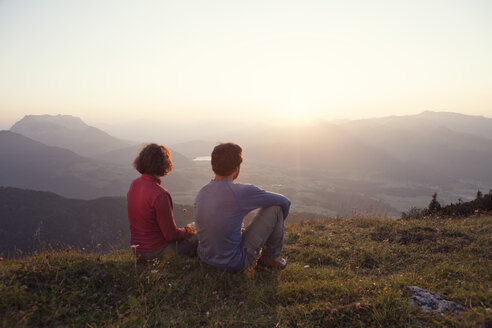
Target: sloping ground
<point>34,220</point>
<point>340,273</point>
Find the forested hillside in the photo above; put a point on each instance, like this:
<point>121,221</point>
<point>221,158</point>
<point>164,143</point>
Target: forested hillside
<point>33,221</point>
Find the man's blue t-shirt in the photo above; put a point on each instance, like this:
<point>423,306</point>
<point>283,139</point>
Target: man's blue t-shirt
<point>220,208</point>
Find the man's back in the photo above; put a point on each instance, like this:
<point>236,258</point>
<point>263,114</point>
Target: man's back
<point>219,211</point>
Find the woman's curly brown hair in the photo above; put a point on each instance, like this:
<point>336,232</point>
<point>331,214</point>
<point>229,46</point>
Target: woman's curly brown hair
<point>154,159</point>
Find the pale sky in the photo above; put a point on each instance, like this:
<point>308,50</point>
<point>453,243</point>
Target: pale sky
<point>198,61</point>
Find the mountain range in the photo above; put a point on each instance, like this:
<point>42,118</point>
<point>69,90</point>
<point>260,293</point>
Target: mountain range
<point>458,146</point>
<point>66,131</point>
<point>69,132</point>
<point>398,161</point>
<point>27,163</point>
<point>384,165</point>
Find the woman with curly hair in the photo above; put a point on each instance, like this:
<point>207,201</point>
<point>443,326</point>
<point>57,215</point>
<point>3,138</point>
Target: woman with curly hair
<point>153,232</point>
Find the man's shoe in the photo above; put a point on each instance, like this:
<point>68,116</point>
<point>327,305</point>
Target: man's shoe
<point>279,263</point>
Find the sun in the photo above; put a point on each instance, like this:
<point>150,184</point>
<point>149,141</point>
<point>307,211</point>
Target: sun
<point>296,109</point>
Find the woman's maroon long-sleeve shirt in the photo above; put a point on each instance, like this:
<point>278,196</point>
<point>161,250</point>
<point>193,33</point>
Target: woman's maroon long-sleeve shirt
<point>150,214</point>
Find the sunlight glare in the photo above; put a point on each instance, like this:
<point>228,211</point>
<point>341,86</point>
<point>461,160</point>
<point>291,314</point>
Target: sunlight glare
<point>296,109</point>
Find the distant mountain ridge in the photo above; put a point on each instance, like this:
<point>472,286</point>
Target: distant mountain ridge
<point>472,124</point>
<point>26,163</point>
<point>479,126</point>
<point>69,132</point>
<point>433,140</point>
<point>68,121</point>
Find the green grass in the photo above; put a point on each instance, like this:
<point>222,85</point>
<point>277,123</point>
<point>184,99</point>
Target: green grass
<point>333,265</point>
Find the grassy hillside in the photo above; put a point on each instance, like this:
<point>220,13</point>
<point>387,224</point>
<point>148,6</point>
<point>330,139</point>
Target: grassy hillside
<point>340,273</point>
<point>31,220</point>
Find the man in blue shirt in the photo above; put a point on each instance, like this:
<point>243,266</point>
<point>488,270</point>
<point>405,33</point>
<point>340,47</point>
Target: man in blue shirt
<point>220,208</point>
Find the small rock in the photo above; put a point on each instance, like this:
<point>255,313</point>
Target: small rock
<point>432,302</point>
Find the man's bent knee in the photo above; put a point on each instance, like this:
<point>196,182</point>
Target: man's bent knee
<point>277,210</point>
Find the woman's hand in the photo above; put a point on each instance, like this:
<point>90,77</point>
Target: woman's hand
<point>190,230</point>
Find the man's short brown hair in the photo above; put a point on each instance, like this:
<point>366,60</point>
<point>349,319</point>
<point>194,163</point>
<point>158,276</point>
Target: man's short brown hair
<point>226,157</point>
<point>154,159</point>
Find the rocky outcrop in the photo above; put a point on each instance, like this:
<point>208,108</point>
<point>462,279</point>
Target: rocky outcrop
<point>432,302</point>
